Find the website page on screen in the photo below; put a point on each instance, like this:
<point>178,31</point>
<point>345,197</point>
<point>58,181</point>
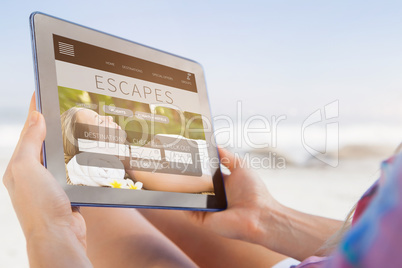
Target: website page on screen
<point>129,123</point>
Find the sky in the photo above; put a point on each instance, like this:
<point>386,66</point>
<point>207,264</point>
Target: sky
<point>276,57</point>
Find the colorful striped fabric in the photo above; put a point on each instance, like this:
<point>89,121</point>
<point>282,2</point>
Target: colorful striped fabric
<point>375,239</point>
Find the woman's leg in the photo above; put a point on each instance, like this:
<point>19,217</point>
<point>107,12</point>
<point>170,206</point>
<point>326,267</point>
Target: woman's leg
<point>206,248</point>
<point>122,237</point>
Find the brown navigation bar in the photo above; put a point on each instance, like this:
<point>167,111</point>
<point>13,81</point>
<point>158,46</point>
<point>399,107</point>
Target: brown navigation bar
<point>76,52</point>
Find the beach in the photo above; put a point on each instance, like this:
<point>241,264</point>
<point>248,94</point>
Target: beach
<point>307,92</point>
<point>312,187</point>
<point>12,241</point>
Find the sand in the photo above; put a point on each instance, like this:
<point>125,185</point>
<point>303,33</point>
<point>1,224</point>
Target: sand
<point>12,241</point>
<point>317,189</point>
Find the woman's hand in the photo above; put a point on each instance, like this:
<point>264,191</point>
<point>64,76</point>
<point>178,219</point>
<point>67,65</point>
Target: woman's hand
<point>54,232</point>
<point>247,198</point>
<point>253,215</point>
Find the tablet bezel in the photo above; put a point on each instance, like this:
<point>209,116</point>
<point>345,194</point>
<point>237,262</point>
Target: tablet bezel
<point>43,27</point>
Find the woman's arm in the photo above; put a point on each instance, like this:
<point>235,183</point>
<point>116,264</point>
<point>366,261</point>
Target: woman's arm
<point>56,247</point>
<point>253,215</point>
<point>293,233</point>
<point>55,234</point>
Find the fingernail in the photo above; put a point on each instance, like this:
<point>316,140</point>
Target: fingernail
<point>33,118</point>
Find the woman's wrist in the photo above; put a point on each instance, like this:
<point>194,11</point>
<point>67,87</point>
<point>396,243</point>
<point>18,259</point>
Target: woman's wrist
<point>268,225</point>
<point>291,232</point>
<point>56,245</point>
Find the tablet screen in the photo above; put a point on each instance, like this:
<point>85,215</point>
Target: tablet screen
<point>129,123</point>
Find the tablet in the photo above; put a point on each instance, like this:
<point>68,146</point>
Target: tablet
<point>127,125</point>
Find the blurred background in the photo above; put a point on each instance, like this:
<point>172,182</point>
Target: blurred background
<point>275,59</point>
